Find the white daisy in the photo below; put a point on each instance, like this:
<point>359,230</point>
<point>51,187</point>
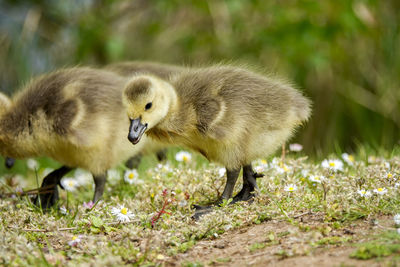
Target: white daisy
<point>63,210</point>
<point>113,176</point>
<point>349,159</point>
<point>290,188</point>
<point>221,172</point>
<point>397,185</point>
<point>122,213</point>
<point>390,175</point>
<point>261,162</point>
<point>69,184</point>
<point>334,165</point>
<point>364,193</point>
<point>317,178</point>
<point>380,191</point>
<point>282,168</point>
<point>295,147</point>
<point>259,169</point>
<point>132,177</point>
<point>32,164</point>
<point>396,219</point>
<point>75,240</point>
<point>183,156</point>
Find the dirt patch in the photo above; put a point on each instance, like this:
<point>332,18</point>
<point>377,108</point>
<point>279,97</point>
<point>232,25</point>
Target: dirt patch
<point>279,243</point>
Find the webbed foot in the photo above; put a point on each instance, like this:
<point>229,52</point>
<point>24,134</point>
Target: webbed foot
<point>249,185</point>
<point>48,192</point>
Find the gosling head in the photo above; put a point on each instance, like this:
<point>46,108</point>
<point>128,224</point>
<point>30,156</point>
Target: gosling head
<point>147,100</point>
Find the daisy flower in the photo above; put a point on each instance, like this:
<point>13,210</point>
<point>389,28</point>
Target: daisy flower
<point>183,156</point>
<point>131,177</point>
<point>334,165</point>
<point>32,164</point>
<point>63,210</point>
<point>396,219</point>
<point>74,240</point>
<point>390,175</point>
<point>397,185</point>
<point>316,178</point>
<point>122,213</point>
<point>295,147</point>
<point>259,169</point>
<point>69,184</point>
<point>364,193</point>
<point>380,191</point>
<point>221,172</point>
<point>349,159</point>
<point>282,168</point>
<point>290,188</point>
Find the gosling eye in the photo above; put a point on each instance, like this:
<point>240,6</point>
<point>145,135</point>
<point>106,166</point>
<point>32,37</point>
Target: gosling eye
<point>148,106</point>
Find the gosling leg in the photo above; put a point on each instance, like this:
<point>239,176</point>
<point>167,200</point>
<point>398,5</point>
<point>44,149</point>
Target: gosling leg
<point>9,162</point>
<point>231,177</point>
<point>249,184</point>
<point>134,162</point>
<point>50,182</point>
<point>162,155</point>
<point>99,181</point>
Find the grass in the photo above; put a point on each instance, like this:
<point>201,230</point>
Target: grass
<point>383,245</point>
<point>30,237</point>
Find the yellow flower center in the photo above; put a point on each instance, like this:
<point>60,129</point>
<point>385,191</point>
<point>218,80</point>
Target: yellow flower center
<point>380,189</point>
<point>124,211</point>
<point>389,175</point>
<point>317,178</point>
<point>285,168</point>
<point>74,237</point>
<point>185,158</point>
<point>291,188</point>
<point>71,183</point>
<point>152,195</point>
<point>263,161</point>
<point>332,164</point>
<point>131,175</point>
<point>363,192</point>
<point>351,158</point>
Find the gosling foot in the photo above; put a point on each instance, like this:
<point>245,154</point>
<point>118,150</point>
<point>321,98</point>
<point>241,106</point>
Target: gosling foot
<point>48,192</point>
<point>249,185</point>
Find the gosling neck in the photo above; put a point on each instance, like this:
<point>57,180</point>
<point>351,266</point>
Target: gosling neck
<point>172,103</point>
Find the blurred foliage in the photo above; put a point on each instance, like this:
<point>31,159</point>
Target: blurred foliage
<point>343,53</point>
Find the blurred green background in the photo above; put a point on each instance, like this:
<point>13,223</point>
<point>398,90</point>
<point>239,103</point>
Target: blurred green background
<point>344,54</point>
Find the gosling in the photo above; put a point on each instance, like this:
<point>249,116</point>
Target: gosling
<point>230,115</point>
<point>74,116</point>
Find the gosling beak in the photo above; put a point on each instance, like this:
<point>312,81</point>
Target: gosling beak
<point>9,162</point>
<point>136,130</point>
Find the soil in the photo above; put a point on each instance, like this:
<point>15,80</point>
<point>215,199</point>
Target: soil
<point>285,244</point>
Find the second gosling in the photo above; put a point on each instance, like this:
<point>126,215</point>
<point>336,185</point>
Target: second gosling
<point>230,115</point>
